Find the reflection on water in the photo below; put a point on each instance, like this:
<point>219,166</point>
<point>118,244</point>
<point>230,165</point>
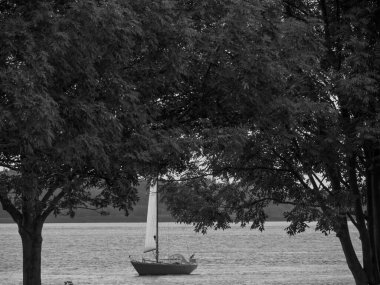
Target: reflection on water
<point>98,254</point>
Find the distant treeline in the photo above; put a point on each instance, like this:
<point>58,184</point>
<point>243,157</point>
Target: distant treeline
<point>137,215</point>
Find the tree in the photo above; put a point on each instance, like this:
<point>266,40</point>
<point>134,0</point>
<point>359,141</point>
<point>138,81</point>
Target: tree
<point>77,123</point>
<point>286,111</point>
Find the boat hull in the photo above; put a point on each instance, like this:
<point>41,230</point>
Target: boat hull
<point>153,268</point>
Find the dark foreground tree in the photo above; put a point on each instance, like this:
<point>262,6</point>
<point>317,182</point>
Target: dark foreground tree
<point>285,109</point>
<point>68,117</point>
<point>75,109</point>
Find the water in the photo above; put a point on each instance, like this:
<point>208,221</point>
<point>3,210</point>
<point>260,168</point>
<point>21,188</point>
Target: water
<point>98,254</point>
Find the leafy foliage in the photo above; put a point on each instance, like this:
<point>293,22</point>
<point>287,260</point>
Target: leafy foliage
<point>278,101</point>
<point>80,84</point>
<point>285,109</point>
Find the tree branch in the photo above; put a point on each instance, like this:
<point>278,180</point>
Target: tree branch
<point>310,175</point>
<point>10,208</point>
<point>292,170</point>
<point>53,203</point>
<point>323,185</point>
<point>48,194</point>
<point>353,220</point>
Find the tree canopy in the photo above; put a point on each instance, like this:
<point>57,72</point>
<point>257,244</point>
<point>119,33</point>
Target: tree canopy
<point>277,100</point>
<point>289,114</point>
<point>79,86</point>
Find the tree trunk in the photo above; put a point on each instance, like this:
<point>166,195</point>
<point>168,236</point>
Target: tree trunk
<point>374,209</point>
<point>353,263</point>
<point>368,264</point>
<point>31,248</point>
<point>372,185</point>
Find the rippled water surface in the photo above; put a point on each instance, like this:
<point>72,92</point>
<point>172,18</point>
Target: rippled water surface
<point>98,254</point>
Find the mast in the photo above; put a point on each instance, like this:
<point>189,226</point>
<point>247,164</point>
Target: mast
<point>157,221</point>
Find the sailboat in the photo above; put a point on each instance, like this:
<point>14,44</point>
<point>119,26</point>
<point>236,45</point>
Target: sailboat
<point>174,264</point>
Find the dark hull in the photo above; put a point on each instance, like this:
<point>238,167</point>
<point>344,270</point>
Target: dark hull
<point>153,268</point>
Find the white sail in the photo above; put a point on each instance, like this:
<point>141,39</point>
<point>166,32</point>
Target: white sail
<point>151,220</point>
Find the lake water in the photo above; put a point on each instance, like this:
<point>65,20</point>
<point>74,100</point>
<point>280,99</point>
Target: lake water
<point>98,254</point>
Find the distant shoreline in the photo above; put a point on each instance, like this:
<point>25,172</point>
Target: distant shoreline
<point>79,221</point>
